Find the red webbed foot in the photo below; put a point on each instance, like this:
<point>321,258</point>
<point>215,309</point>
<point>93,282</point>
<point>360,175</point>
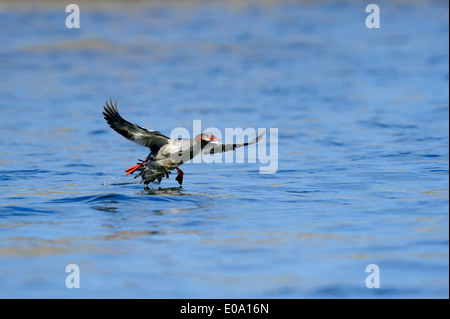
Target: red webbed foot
<point>131,170</point>
<point>179,177</point>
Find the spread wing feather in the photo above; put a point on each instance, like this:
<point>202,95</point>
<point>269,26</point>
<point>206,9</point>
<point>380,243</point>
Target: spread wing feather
<point>213,148</point>
<point>140,135</point>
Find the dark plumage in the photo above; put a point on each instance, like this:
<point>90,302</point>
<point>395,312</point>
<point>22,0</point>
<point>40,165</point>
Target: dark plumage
<point>166,153</point>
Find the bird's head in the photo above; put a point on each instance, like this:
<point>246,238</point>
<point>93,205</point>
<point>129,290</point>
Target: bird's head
<point>206,137</point>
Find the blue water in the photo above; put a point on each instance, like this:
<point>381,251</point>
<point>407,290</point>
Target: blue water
<point>363,149</point>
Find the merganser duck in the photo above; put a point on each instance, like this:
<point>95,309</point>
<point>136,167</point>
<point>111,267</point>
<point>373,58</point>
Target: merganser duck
<point>166,153</point>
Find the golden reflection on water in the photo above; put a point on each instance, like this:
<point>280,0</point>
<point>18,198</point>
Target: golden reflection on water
<point>33,247</point>
<point>105,244</point>
<point>47,191</point>
<point>71,45</point>
<point>438,193</point>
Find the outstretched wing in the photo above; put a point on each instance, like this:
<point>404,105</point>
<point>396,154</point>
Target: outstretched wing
<point>213,148</point>
<point>140,135</point>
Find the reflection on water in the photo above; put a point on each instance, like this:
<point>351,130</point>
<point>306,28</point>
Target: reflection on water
<point>173,191</point>
<point>363,150</point>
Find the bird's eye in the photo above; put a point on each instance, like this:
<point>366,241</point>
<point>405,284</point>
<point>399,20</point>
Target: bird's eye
<point>212,138</point>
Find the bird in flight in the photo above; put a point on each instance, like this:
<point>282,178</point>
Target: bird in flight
<point>166,154</point>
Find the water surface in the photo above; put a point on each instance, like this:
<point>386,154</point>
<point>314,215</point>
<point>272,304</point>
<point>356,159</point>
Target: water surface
<point>362,118</point>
